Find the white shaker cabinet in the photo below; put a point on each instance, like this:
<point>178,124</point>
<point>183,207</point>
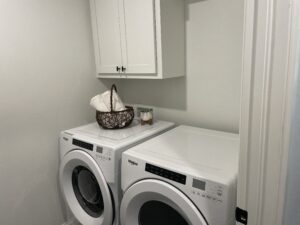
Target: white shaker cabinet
<point>142,39</point>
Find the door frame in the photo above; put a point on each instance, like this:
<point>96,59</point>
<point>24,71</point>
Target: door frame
<point>268,75</point>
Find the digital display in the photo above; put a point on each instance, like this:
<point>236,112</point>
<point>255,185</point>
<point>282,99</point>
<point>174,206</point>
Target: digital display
<point>199,184</point>
<point>83,144</point>
<point>99,149</point>
<point>171,175</point>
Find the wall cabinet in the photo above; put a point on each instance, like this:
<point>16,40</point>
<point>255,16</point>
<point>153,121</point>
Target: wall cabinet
<point>139,38</point>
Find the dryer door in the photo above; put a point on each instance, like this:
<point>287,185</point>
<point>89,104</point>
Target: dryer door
<point>85,189</point>
<point>154,202</point>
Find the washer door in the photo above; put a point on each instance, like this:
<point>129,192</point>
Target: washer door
<point>154,202</point>
<point>85,189</point>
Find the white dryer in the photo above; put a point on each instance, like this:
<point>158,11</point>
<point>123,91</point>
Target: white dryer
<point>90,168</point>
<point>186,176</point>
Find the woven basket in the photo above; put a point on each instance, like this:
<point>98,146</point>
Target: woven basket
<point>115,119</point>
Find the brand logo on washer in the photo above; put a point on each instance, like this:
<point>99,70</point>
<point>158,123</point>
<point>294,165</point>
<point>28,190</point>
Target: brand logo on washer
<point>133,163</point>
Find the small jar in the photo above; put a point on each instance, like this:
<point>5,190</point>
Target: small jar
<point>146,116</point>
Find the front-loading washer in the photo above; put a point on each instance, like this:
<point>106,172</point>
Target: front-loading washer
<point>186,176</point>
<point>90,169</point>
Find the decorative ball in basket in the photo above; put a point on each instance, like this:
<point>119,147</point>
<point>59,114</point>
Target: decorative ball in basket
<point>114,119</point>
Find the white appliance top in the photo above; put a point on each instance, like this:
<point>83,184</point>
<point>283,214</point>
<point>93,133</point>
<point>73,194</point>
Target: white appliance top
<point>195,151</point>
<point>120,137</point>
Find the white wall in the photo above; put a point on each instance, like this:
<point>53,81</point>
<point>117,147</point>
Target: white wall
<point>209,95</point>
<point>47,76</point>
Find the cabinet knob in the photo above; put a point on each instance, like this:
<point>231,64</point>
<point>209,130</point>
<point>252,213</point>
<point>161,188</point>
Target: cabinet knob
<point>123,69</point>
<point>118,68</point>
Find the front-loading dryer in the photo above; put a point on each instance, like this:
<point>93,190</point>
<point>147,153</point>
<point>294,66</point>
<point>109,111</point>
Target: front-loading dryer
<point>186,176</point>
<point>90,169</point>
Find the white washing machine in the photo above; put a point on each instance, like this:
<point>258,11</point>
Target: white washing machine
<point>90,168</point>
<point>186,176</point>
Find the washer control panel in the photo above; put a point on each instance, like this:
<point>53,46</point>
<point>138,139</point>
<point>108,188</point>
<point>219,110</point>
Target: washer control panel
<point>208,190</point>
<point>103,154</point>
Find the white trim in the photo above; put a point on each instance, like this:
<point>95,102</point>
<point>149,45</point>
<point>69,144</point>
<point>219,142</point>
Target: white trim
<point>245,100</point>
<point>266,104</point>
<point>264,122</point>
<point>290,87</point>
<point>256,60</point>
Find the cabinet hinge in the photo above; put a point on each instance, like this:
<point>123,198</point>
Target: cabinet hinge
<point>241,215</point>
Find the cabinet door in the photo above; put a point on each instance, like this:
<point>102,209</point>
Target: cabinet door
<point>138,36</point>
<point>107,39</point>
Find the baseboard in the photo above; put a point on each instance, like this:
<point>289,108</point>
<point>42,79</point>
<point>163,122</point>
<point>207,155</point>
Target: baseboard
<point>68,223</point>
<point>71,222</point>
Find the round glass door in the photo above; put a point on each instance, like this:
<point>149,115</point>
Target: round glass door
<point>159,213</point>
<point>155,202</point>
<point>85,189</point>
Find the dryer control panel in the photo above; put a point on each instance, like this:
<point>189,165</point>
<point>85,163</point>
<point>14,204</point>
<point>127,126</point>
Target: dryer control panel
<point>208,190</point>
<point>171,175</point>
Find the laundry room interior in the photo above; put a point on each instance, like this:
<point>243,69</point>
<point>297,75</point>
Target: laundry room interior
<point>149,112</point>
